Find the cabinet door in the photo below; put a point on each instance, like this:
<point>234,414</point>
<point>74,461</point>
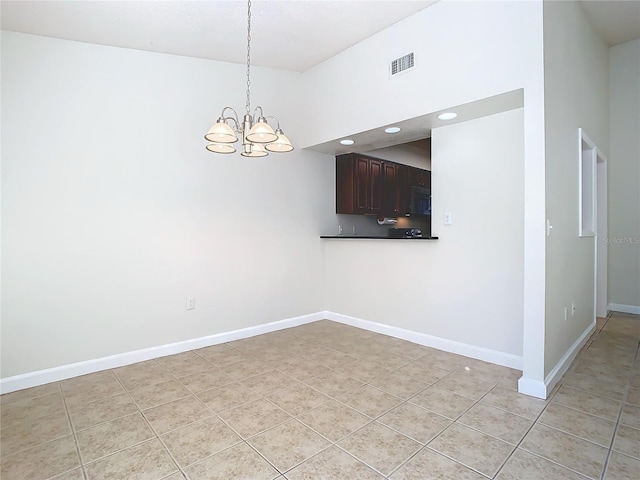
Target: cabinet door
<point>345,185</point>
<point>362,185</point>
<point>403,189</point>
<point>419,177</point>
<point>375,186</point>
<point>395,190</point>
<point>371,186</point>
<point>412,176</point>
<point>390,189</point>
<point>424,178</point>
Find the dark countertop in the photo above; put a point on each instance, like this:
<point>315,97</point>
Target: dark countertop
<point>370,237</point>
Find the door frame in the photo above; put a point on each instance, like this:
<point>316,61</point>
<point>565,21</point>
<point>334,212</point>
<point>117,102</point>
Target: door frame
<point>601,298</point>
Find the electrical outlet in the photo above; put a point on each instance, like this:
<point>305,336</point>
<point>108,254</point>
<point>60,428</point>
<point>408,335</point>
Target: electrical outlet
<point>573,309</point>
<point>448,218</point>
<point>191,303</point>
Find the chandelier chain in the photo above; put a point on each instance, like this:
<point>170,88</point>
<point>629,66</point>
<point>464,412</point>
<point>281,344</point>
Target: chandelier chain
<point>248,58</point>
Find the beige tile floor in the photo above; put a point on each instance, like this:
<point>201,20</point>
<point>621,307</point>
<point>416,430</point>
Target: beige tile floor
<point>329,401</point>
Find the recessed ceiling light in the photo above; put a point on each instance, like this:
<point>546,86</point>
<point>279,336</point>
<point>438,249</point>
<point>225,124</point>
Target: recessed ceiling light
<point>347,141</point>
<point>447,116</point>
<point>392,129</point>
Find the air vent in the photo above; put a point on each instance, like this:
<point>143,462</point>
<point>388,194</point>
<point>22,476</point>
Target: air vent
<point>402,64</point>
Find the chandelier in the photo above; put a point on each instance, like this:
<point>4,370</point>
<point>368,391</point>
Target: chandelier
<point>258,137</point>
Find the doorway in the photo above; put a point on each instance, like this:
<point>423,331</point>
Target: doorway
<point>592,217</point>
<point>601,243</point>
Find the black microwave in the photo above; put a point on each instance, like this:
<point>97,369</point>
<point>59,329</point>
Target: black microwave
<point>420,201</point>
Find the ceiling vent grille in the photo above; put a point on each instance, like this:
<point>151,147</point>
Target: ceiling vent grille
<point>402,64</point>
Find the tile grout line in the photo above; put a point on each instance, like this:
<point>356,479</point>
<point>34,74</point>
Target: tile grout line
<point>262,396</point>
<point>623,402</point>
<point>556,390</point>
<point>85,475</point>
<point>549,401</point>
<point>213,414</point>
<point>272,363</point>
<point>516,446</point>
<point>576,409</point>
<point>126,390</point>
<point>453,421</point>
<point>334,397</point>
<point>20,423</point>
<point>407,401</point>
<point>533,424</point>
<point>146,420</point>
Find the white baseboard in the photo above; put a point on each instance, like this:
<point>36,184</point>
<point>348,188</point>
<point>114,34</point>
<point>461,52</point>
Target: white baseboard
<point>40,377</point>
<point>534,388</point>
<point>617,307</point>
<point>480,353</point>
<point>537,388</point>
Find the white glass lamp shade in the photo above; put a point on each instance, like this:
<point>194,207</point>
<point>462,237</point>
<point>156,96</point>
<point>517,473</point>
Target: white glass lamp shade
<point>221,147</point>
<point>221,133</point>
<point>281,145</point>
<point>257,150</point>
<point>261,132</point>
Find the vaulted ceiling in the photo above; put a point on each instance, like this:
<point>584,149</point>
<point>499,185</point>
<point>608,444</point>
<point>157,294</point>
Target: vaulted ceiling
<point>291,35</point>
<point>287,34</point>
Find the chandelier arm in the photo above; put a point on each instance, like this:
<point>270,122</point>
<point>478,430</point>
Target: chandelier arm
<point>277,121</point>
<point>236,124</point>
<point>234,118</point>
<point>255,111</point>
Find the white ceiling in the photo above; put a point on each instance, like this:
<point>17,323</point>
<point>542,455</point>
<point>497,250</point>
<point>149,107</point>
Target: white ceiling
<point>287,34</point>
<point>616,21</point>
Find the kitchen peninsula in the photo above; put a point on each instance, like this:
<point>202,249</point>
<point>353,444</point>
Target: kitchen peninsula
<point>373,237</point>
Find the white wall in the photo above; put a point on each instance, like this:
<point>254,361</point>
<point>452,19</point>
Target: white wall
<point>466,286</point>
<point>465,51</point>
<point>576,95</point>
<point>113,211</point>
<point>624,176</point>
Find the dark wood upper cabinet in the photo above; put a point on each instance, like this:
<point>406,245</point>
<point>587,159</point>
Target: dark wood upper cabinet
<point>424,178</point>
<point>390,188</point>
<point>395,190</point>
<point>361,181</point>
<point>375,185</point>
<point>419,177</point>
<point>370,186</point>
<point>358,184</point>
